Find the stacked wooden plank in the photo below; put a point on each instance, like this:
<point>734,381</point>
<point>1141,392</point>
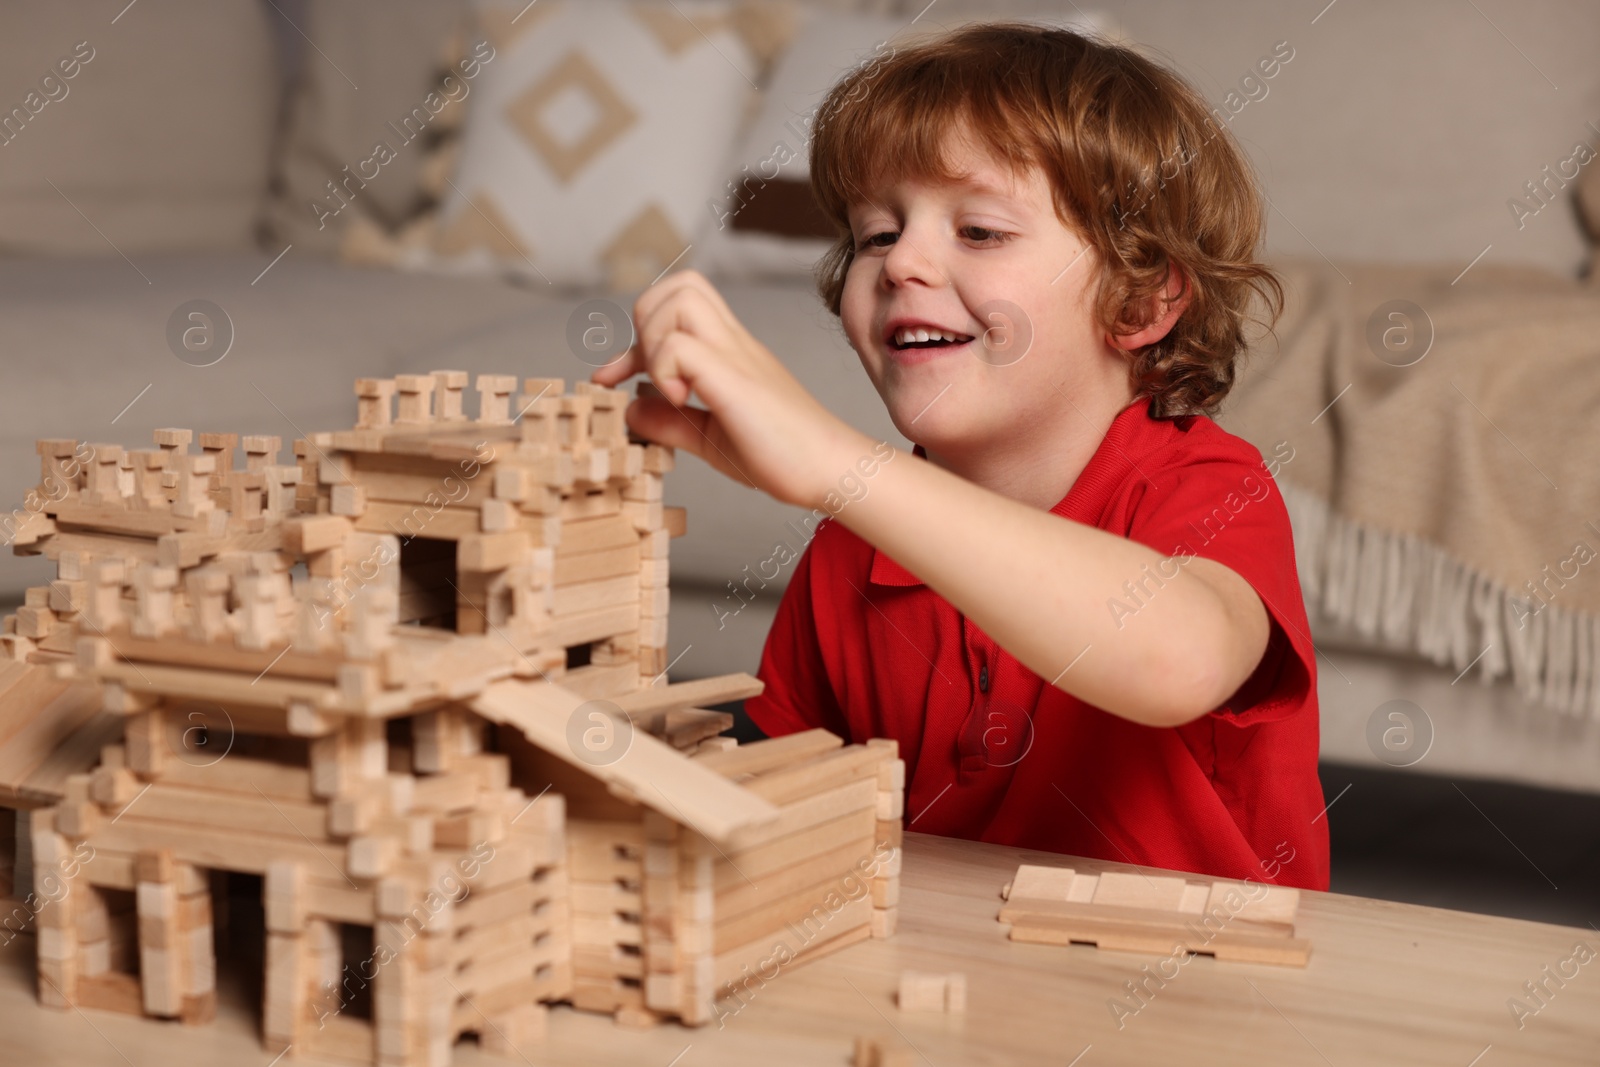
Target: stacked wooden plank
<point>460,875</point>
<point>177,972</point>
<point>689,873</point>
<point>507,948</point>
<point>665,917</point>
<point>53,727</point>
<point>511,950</point>
<point>639,865</point>
<point>606,879</point>
<point>1134,912</point>
<point>822,875</point>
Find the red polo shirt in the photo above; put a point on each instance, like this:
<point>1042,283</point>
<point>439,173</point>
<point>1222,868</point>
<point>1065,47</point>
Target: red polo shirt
<point>994,753</point>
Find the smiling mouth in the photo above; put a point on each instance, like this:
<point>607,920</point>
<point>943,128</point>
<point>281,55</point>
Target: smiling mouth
<point>932,342</point>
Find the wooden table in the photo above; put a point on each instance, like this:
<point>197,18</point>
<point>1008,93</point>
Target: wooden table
<point>1388,984</point>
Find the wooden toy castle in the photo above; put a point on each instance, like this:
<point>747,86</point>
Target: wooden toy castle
<point>410,690</point>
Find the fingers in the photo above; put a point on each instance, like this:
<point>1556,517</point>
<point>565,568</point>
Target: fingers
<point>684,303</point>
<point>672,369</point>
<point>676,284</point>
<point>661,421</point>
<point>687,310</point>
<point>691,429</point>
<point>622,368</point>
<point>645,308</point>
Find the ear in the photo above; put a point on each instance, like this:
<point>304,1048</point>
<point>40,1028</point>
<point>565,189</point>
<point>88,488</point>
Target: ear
<point>1174,299</point>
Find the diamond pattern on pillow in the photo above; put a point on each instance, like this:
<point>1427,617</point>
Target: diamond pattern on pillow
<point>597,137</point>
<point>543,115</point>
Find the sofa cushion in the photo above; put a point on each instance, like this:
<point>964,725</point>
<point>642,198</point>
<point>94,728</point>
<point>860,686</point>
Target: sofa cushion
<point>143,131</point>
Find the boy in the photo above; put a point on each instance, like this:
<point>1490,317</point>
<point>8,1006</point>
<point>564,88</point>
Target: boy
<point>1077,608</point>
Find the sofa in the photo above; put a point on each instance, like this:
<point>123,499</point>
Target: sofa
<point>198,229</point>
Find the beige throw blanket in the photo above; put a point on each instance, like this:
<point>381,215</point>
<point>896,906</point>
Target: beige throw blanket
<point>1449,507</point>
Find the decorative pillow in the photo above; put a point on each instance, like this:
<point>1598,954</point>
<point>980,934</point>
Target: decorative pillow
<point>376,76</point>
<point>764,220</point>
<point>596,133</point>
<point>140,130</point>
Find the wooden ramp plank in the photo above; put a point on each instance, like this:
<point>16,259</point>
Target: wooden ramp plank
<point>47,712</point>
<point>649,770</point>
<point>695,694</point>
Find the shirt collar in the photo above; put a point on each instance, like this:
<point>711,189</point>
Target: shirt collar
<point>1106,469</point>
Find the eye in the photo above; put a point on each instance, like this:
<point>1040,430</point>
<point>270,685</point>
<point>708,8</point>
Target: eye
<point>984,234</point>
<point>868,242</point>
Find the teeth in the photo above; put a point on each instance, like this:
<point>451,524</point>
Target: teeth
<point>906,336</point>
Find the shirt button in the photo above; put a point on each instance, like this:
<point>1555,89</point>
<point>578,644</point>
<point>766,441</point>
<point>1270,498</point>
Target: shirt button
<point>983,679</point>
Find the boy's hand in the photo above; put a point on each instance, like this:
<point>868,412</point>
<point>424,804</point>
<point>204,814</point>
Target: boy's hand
<point>759,425</point>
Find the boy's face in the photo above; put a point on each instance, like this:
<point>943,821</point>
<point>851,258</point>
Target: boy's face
<point>970,259</point>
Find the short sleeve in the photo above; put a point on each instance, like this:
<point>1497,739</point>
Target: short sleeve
<point>1230,511</point>
<point>798,695</point>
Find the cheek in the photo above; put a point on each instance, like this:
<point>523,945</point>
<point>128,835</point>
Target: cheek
<point>856,311</point>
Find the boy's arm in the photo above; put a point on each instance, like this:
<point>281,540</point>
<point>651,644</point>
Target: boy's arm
<point>1038,584</point>
<point>1035,582</point>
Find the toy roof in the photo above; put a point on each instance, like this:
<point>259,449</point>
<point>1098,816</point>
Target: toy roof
<point>650,771</point>
<point>50,728</point>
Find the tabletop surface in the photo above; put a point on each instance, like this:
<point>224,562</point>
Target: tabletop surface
<point>1390,984</point>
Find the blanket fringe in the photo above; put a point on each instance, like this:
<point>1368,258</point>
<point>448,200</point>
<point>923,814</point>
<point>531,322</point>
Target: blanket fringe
<point>1412,595</point>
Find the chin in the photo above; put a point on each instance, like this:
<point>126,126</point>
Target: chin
<point>955,429</point>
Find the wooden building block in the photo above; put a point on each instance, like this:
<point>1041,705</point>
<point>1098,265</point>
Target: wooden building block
<point>657,459</point>
<point>219,448</point>
<point>374,402</point>
<point>1044,883</point>
<point>286,1018</point>
<point>415,403</point>
<point>494,398</point>
<point>449,386</point>
<point>1129,911</point>
<point>1131,890</point>
<point>773,752</point>
<point>1257,903</point>
<point>891,804</point>
<point>876,1052</point>
<point>920,991</point>
<point>160,954</point>
<point>349,500</point>
<point>195,474</point>
<point>848,764</point>
<point>930,991</point>
<point>955,993</point>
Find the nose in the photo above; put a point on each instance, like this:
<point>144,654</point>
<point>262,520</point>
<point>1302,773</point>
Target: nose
<point>908,260</point>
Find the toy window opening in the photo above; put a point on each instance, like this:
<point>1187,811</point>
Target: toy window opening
<point>427,582</point>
